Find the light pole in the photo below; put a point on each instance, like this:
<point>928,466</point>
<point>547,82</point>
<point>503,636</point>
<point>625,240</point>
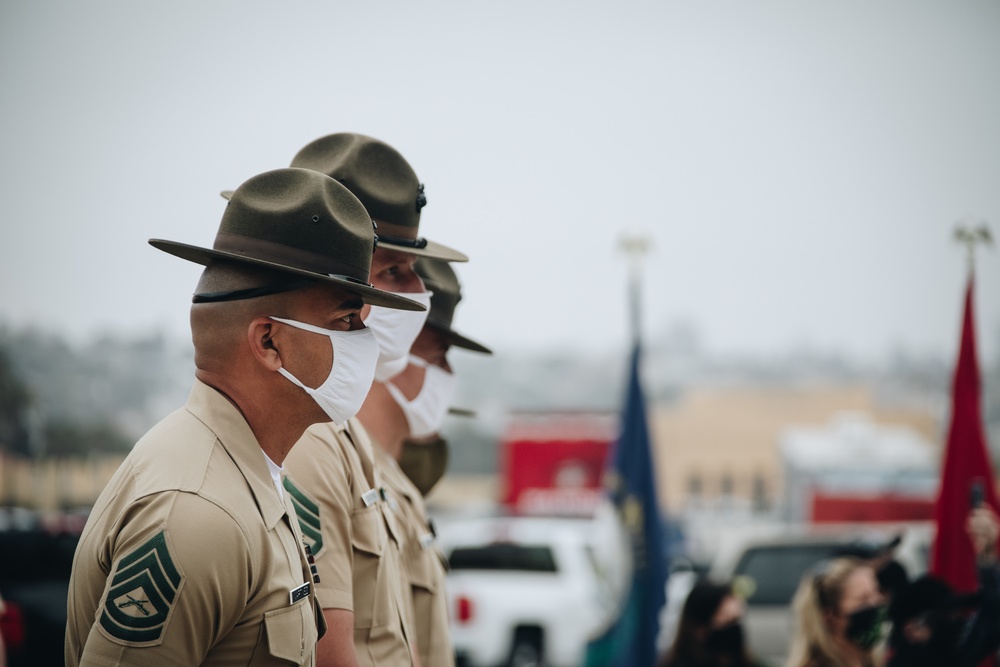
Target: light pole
<point>635,246</point>
<point>972,231</point>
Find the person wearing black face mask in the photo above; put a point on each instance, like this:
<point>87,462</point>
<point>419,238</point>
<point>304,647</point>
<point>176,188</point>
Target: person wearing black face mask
<point>840,615</point>
<point>928,621</point>
<point>931,624</point>
<point>710,633</point>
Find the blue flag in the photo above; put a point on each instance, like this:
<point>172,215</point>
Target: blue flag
<point>630,641</point>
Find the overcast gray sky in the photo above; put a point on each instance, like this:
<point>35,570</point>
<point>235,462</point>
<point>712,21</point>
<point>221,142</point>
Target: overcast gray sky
<point>799,166</point>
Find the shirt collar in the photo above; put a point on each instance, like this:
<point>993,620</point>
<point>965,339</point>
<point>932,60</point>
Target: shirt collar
<point>235,436</point>
<point>275,471</point>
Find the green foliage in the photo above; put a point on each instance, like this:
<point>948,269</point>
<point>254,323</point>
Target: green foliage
<point>15,401</point>
<point>64,400</point>
<point>69,439</point>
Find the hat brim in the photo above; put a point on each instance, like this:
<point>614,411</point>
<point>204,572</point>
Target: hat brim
<point>458,340</point>
<point>203,256</point>
<point>432,250</point>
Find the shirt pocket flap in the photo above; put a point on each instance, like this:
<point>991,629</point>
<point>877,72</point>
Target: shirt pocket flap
<point>365,530</point>
<point>392,520</point>
<point>421,567</point>
<point>291,632</point>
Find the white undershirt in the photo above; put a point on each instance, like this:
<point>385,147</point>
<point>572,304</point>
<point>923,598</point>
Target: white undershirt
<point>276,471</point>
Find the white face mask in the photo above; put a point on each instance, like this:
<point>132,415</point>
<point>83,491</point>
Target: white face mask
<point>350,378</point>
<point>426,412</point>
<point>395,331</point>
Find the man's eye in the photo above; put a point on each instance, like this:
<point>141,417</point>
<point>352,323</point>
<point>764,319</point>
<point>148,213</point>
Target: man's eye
<point>345,320</point>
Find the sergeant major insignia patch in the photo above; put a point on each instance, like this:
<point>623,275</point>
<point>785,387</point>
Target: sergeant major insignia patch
<point>143,588</point>
<point>307,511</point>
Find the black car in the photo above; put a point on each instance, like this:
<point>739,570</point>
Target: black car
<point>36,557</point>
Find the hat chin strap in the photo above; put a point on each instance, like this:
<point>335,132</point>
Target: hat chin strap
<point>418,243</point>
<point>250,292</point>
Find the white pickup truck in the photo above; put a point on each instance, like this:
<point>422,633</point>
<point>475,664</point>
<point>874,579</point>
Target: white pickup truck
<point>528,591</point>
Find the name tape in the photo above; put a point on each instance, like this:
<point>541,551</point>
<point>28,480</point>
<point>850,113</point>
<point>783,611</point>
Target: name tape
<point>299,592</point>
<point>370,497</point>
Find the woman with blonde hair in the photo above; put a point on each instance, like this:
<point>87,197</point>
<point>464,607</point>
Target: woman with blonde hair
<point>840,614</point>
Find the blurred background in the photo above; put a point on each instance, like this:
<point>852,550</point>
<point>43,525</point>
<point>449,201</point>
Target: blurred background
<point>798,170</point>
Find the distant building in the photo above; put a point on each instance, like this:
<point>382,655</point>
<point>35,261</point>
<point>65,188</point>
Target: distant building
<point>855,470</point>
<point>718,449</point>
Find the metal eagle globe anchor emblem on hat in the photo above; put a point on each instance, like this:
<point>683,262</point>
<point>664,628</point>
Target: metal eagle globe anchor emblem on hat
<point>386,184</point>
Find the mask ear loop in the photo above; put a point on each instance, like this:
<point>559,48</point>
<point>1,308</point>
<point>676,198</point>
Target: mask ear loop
<point>295,380</point>
<point>397,395</point>
<point>305,326</point>
<point>395,391</point>
<point>417,361</point>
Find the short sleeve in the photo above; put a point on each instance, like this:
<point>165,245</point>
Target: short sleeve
<point>178,583</point>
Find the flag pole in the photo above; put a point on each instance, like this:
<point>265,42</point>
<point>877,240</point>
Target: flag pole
<point>635,246</point>
<point>966,469</point>
<point>630,636</point>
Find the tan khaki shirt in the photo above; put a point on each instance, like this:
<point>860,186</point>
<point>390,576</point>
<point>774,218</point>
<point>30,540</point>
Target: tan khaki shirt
<point>423,564</point>
<point>331,476</point>
<point>189,556</point>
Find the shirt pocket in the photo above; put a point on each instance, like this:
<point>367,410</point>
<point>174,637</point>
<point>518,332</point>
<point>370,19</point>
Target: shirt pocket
<point>372,604</point>
<point>291,632</point>
<point>422,566</point>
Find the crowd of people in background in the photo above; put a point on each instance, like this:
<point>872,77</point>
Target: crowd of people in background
<point>711,629</point>
<point>858,610</point>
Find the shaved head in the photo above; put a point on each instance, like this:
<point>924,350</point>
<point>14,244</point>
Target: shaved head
<point>220,325</point>
<point>219,328</point>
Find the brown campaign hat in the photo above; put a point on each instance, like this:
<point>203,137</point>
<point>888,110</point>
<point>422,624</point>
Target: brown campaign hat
<point>300,222</point>
<point>384,182</point>
<point>441,281</point>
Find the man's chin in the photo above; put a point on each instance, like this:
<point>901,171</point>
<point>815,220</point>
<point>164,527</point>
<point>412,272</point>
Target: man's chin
<point>320,417</point>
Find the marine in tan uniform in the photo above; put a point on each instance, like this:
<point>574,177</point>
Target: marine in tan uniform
<point>341,507</point>
<point>332,473</point>
<point>193,555</point>
<point>406,412</point>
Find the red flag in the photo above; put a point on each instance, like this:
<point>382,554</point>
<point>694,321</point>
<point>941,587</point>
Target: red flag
<point>966,461</point>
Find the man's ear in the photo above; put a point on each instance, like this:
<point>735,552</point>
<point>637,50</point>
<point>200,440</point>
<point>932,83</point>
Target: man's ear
<point>260,336</point>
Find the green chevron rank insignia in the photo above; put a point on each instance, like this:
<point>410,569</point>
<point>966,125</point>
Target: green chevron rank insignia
<point>143,589</point>
<point>307,510</point>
